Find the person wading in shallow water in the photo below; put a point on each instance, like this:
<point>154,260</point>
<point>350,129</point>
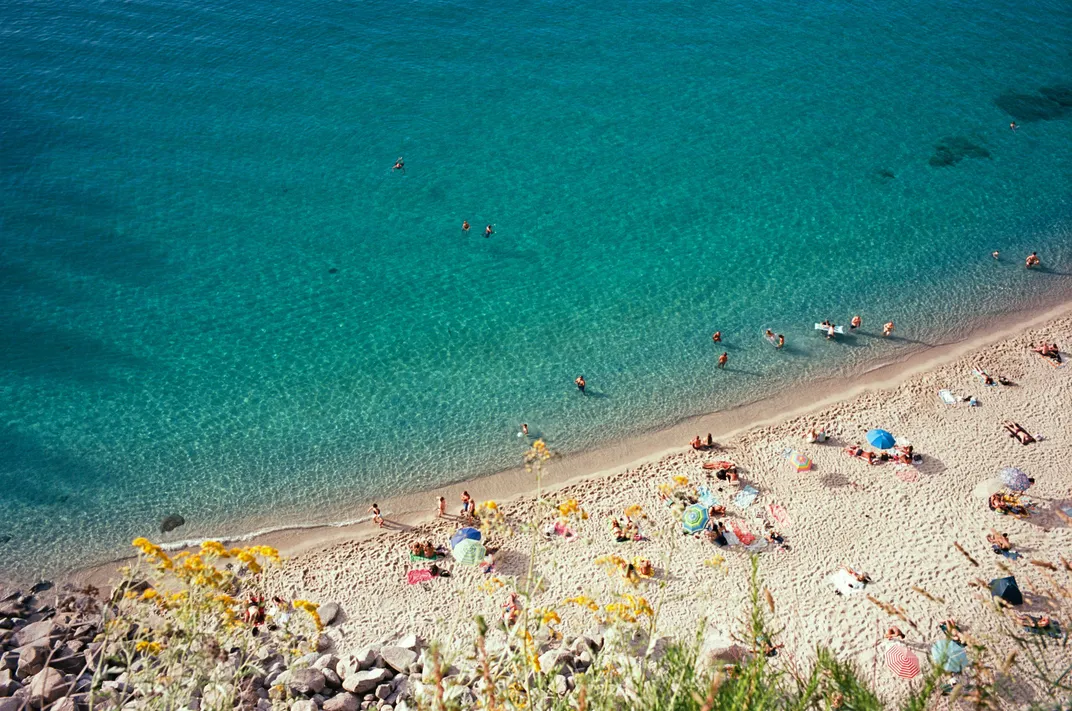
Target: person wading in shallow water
<point>723,359</point>
<point>580,383</point>
<point>488,232</point>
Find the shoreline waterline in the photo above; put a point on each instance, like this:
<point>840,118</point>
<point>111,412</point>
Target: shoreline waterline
<point>410,510</point>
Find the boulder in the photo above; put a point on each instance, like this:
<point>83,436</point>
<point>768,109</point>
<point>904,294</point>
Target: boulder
<point>402,706</point>
<point>327,613</point>
<point>326,661</point>
<point>333,680</point>
<point>559,685</point>
<point>33,633</point>
<point>383,691</point>
<point>398,658</point>
<point>31,660</point>
<point>304,681</point>
<point>342,702</point>
<point>303,705</point>
<point>555,659</point>
<point>46,686</point>
<point>411,642</point>
<point>10,703</point>
<point>171,522</point>
<point>364,681</point>
<point>65,704</point>
<point>362,659</point>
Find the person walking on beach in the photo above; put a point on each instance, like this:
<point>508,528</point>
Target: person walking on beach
<point>579,382</point>
<point>856,322</point>
<point>399,165</point>
<point>723,359</point>
<point>376,517</point>
<point>488,232</point>
<point>441,507</point>
<point>717,338</point>
<point>887,329</point>
<point>1033,260</point>
<point>465,226</point>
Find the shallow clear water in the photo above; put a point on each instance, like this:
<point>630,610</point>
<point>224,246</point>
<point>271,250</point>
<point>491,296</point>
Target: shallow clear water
<point>217,299</point>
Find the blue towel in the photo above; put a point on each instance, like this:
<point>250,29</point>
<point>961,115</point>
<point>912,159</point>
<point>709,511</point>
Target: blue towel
<point>706,498</point>
<point>746,497</point>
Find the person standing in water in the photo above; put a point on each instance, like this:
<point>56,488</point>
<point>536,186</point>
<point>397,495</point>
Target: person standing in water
<point>781,340</point>
<point>856,322</point>
<point>717,338</point>
<point>488,232</point>
<point>399,165</point>
<point>887,329</point>
<point>723,359</point>
<point>995,254</point>
<point>465,226</point>
<point>579,382</point>
<point>1033,260</point>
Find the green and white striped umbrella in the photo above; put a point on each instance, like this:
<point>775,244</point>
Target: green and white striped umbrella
<point>694,519</point>
<point>469,552</point>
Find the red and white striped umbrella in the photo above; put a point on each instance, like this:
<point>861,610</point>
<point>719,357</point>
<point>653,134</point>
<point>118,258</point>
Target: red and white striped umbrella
<point>902,661</point>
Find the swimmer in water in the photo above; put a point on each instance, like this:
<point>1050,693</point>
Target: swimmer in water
<point>856,322</point>
<point>887,329</point>
<point>579,382</point>
<point>995,254</point>
<point>465,226</point>
<point>488,232</point>
<point>399,165</point>
<point>1013,126</point>
<point>1033,260</point>
<point>717,338</point>
<point>781,340</point>
<point>770,335</point>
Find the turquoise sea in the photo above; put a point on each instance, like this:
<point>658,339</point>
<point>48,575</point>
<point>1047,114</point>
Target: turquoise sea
<point>218,300</point>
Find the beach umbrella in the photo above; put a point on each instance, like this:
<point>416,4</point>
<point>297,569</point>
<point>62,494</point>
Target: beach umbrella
<point>949,655</point>
<point>1015,479</point>
<point>469,552</point>
<point>985,489</point>
<point>1007,590</point>
<point>800,461</point>
<point>880,438</point>
<point>463,534</point>
<point>902,662</point>
<point>694,519</point>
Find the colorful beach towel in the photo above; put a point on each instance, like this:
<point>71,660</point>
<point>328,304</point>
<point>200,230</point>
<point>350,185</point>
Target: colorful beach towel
<point>705,498</point>
<point>418,576</point>
<point>947,397</point>
<point>981,375</point>
<point>745,498</point>
<point>779,514</point>
<point>741,532</point>
<point>414,558</point>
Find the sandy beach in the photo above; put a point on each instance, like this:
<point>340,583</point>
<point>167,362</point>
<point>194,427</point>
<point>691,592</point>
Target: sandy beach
<point>897,523</point>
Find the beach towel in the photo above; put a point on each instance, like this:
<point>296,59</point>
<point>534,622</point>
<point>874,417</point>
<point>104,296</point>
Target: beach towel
<point>1051,361</point>
<point>906,474</point>
<point>982,375</point>
<point>947,397</point>
<point>740,531</point>
<point>705,498</point>
<point>779,514</point>
<point>745,498</point>
<point>414,558</point>
<point>845,583</point>
<point>418,576</point>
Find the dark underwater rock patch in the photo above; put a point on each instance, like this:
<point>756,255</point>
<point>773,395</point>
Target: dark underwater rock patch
<point>1028,108</point>
<point>952,150</point>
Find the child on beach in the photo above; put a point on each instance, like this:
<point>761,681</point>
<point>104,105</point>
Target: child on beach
<point>468,505</point>
<point>376,518</point>
<point>441,507</point>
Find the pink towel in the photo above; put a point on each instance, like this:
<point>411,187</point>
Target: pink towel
<point>418,576</point>
<point>779,514</point>
<point>741,532</point>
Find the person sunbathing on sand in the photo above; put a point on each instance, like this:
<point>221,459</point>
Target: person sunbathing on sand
<point>644,568</point>
<point>860,577</point>
<point>617,532</point>
<point>1048,350</point>
<point>1032,622</point>
<point>999,541</point>
<point>1018,433</point>
<point>894,633</point>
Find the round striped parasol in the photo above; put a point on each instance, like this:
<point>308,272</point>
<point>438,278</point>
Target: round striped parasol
<point>694,519</point>
<point>469,552</point>
<point>800,461</point>
<point>902,661</point>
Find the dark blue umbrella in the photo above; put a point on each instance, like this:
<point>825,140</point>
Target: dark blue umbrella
<point>462,534</point>
<point>1007,590</point>
<point>880,438</point>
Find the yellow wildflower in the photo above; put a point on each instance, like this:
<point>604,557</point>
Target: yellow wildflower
<point>311,609</point>
<point>681,480</point>
<point>634,511</point>
<point>149,594</point>
<point>583,601</point>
